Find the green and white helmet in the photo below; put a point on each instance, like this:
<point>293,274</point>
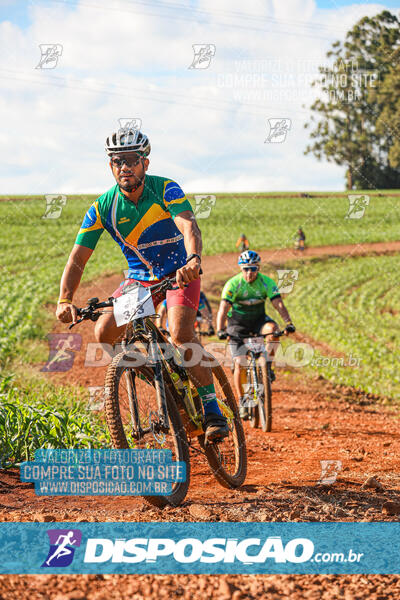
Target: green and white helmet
<point>128,140</point>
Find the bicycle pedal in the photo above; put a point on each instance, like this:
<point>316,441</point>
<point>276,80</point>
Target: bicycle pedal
<point>215,438</point>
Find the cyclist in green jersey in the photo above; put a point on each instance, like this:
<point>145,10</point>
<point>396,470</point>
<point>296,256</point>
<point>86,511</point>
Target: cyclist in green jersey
<point>243,303</point>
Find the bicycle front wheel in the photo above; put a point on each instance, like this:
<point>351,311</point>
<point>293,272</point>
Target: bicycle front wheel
<point>227,458</point>
<point>132,415</point>
<point>257,412</point>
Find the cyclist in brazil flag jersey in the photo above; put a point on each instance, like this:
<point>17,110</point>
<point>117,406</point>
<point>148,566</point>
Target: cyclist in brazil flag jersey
<point>151,220</point>
<point>243,303</point>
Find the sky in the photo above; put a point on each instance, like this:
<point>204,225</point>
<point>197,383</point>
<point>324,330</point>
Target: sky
<point>139,59</point>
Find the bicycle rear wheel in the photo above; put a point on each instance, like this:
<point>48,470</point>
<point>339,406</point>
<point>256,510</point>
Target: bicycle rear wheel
<point>265,368</point>
<point>228,458</point>
<point>132,412</point>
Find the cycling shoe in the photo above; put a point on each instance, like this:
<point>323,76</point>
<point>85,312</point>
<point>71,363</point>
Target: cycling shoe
<point>215,427</point>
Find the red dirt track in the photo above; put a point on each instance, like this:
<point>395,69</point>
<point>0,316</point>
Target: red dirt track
<point>312,421</point>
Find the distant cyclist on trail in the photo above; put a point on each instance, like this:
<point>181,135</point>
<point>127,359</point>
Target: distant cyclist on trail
<point>243,243</point>
<point>243,303</point>
<point>151,220</point>
<point>300,239</point>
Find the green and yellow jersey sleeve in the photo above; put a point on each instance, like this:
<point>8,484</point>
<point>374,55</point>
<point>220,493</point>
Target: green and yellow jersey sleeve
<point>92,227</point>
<point>175,200</point>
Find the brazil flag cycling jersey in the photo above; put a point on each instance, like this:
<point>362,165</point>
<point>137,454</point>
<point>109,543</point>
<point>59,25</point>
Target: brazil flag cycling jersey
<point>149,239</point>
<point>248,299</point>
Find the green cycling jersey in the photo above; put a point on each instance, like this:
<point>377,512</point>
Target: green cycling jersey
<point>248,299</point>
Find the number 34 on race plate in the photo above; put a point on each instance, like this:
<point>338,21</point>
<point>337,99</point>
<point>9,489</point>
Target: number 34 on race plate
<point>135,304</point>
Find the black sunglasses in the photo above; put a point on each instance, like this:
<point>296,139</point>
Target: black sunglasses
<point>131,161</point>
<point>250,268</point>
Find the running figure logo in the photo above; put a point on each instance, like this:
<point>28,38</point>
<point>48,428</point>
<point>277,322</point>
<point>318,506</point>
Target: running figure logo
<point>96,398</point>
<point>286,280</point>
<point>62,546</point>
<point>278,130</point>
<point>50,55</point>
<point>329,471</point>
<point>129,126</point>
<point>62,351</point>
<point>54,205</point>
<point>357,206</point>
<point>203,54</point>
<point>204,204</point>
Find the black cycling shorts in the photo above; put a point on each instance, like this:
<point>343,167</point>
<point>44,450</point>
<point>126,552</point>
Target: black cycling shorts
<point>238,330</point>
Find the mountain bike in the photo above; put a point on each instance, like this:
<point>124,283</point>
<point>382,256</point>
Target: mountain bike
<point>299,244</point>
<point>150,401</point>
<point>259,378</point>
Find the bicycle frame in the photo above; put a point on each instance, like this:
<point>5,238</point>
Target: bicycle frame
<point>253,368</point>
<point>145,330</point>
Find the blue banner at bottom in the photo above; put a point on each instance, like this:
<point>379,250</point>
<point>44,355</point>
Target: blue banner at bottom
<point>209,548</point>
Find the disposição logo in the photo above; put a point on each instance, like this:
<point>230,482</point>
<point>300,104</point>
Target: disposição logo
<point>63,543</point>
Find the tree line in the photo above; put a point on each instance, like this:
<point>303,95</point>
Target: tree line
<point>356,117</point>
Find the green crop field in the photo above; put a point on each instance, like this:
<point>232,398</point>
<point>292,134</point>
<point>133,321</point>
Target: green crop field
<point>271,221</point>
<point>347,304</point>
<point>36,414</point>
<point>34,250</point>
<point>352,305</point>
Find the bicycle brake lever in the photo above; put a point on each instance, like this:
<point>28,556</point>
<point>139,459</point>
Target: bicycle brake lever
<point>76,323</point>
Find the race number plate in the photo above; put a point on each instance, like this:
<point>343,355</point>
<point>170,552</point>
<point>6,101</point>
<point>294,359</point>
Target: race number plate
<point>256,344</point>
<point>135,304</point>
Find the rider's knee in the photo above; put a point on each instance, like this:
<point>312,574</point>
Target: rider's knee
<point>239,363</point>
<point>181,333</point>
<point>102,333</point>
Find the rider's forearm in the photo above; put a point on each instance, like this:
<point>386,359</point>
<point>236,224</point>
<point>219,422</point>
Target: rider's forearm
<point>187,225</point>
<point>192,239</point>
<point>70,280</point>
<point>72,274</point>
<point>192,236</point>
<point>221,316</point>
<point>282,310</point>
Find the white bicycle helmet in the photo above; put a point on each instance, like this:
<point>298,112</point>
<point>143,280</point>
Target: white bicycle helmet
<point>128,140</point>
<point>249,257</point>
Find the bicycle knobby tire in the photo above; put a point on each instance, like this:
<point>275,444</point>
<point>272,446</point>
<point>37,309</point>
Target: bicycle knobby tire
<point>235,477</point>
<point>117,367</point>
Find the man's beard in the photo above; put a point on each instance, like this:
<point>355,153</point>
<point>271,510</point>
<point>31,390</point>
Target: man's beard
<point>132,187</point>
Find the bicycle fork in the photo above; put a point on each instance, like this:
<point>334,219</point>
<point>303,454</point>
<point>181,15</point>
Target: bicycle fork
<point>156,363</point>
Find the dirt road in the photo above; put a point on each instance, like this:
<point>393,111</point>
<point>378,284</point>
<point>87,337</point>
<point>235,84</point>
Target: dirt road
<point>311,422</point>
<point>226,264</point>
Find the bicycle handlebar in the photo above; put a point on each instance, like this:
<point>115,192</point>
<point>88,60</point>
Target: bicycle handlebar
<point>89,312</point>
<point>275,334</point>
<point>93,303</point>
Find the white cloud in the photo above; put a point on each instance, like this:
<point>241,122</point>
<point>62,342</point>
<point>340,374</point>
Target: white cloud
<point>126,60</point>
